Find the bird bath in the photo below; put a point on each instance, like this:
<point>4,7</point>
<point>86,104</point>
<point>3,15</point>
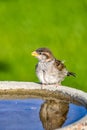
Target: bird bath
<point>27,105</point>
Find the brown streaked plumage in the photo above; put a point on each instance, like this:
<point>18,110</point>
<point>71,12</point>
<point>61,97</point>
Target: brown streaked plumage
<point>49,70</point>
<point>59,65</point>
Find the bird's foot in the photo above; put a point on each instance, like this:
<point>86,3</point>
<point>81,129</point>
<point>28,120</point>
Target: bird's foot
<point>43,85</point>
<point>53,84</point>
<point>56,84</point>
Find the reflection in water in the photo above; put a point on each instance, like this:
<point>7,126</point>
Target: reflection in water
<point>53,114</point>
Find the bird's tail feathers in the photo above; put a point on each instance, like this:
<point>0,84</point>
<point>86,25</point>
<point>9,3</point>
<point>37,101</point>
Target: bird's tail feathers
<point>71,74</point>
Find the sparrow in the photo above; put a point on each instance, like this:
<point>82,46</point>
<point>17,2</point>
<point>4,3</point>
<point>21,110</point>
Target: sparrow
<point>49,70</point>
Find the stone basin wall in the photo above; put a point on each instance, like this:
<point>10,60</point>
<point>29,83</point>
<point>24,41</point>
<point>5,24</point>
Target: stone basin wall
<point>17,89</point>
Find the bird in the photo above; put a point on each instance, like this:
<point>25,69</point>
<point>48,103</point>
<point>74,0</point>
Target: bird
<point>50,70</point>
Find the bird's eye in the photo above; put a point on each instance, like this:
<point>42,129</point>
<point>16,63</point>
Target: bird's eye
<point>40,53</point>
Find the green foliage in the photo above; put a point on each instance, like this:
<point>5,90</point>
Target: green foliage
<point>59,25</point>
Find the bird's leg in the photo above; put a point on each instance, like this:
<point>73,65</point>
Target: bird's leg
<point>57,84</point>
<point>43,85</point>
<point>53,84</point>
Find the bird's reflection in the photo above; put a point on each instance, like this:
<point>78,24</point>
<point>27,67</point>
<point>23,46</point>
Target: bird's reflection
<point>53,114</point>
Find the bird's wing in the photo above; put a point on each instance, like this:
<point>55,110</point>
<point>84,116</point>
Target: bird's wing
<point>59,65</point>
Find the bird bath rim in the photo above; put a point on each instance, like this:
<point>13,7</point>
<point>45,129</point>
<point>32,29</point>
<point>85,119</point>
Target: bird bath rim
<point>13,87</point>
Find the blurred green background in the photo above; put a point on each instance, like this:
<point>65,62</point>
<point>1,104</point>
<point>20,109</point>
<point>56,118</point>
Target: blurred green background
<point>26,25</point>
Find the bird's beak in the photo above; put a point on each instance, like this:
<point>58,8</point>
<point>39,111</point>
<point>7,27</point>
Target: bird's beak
<point>34,53</point>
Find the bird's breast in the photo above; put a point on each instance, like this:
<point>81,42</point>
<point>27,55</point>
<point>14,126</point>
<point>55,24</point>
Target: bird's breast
<point>46,72</point>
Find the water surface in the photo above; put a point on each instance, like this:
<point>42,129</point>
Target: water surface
<point>38,114</point>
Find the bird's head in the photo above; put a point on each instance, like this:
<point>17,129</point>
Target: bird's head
<point>43,54</point>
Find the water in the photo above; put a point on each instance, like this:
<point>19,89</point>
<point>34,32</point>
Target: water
<point>38,114</point>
